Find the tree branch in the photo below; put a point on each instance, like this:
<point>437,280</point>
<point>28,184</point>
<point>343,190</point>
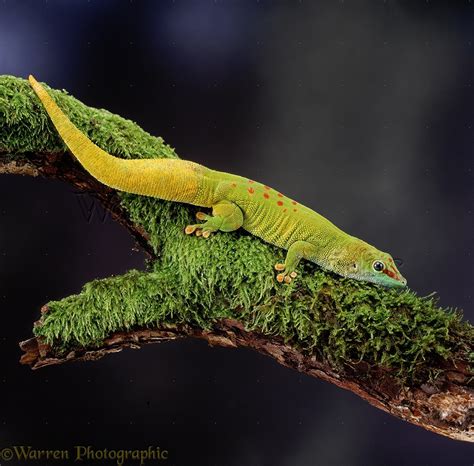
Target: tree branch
<point>61,166</point>
<point>446,408</point>
<point>400,352</point>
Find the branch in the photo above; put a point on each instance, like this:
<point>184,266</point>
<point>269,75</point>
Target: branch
<point>445,408</point>
<point>60,166</point>
<point>401,353</point>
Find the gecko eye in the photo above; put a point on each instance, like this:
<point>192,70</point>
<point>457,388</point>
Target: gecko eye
<point>378,266</point>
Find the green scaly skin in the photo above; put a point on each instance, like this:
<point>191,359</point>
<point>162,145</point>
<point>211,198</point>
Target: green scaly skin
<point>243,203</point>
<point>236,202</point>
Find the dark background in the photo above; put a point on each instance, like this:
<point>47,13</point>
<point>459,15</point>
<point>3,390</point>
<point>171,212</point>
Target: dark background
<point>361,110</point>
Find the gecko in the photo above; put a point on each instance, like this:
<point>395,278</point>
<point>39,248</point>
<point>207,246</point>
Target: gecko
<point>235,202</point>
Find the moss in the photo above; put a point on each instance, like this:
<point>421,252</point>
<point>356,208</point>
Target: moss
<point>25,127</point>
<point>198,281</point>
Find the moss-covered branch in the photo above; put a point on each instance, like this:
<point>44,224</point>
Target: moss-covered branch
<point>399,351</point>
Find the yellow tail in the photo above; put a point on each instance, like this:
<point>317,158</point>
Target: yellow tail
<point>169,179</point>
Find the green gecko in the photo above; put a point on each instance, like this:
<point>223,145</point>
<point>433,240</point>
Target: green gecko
<point>236,202</point>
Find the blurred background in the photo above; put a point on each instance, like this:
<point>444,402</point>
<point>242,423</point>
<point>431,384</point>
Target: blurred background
<point>360,110</point>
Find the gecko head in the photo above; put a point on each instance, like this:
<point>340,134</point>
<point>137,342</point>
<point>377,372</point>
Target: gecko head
<point>366,263</point>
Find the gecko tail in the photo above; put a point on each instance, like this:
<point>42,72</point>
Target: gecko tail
<point>169,179</point>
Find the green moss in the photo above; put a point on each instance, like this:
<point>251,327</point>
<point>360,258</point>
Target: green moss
<point>198,281</point>
<point>25,126</point>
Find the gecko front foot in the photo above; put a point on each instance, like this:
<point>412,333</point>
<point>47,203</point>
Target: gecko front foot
<point>297,251</point>
<point>285,275</point>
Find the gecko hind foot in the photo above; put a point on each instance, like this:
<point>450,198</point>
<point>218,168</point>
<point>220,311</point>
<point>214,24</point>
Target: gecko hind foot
<point>200,229</point>
<point>226,216</point>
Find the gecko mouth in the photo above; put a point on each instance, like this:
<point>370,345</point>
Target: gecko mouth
<point>401,280</point>
<point>395,275</point>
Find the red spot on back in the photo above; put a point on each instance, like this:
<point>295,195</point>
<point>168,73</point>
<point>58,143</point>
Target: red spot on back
<point>280,195</point>
<point>295,210</point>
<point>294,202</point>
<point>266,195</point>
<point>267,187</point>
<point>280,203</point>
<point>251,181</point>
<point>251,190</point>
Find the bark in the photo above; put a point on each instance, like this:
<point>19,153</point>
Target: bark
<point>446,408</point>
<point>61,166</point>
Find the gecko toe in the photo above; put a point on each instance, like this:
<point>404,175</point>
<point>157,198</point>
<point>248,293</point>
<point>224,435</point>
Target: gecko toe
<point>200,229</point>
<point>201,216</point>
<point>284,276</point>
